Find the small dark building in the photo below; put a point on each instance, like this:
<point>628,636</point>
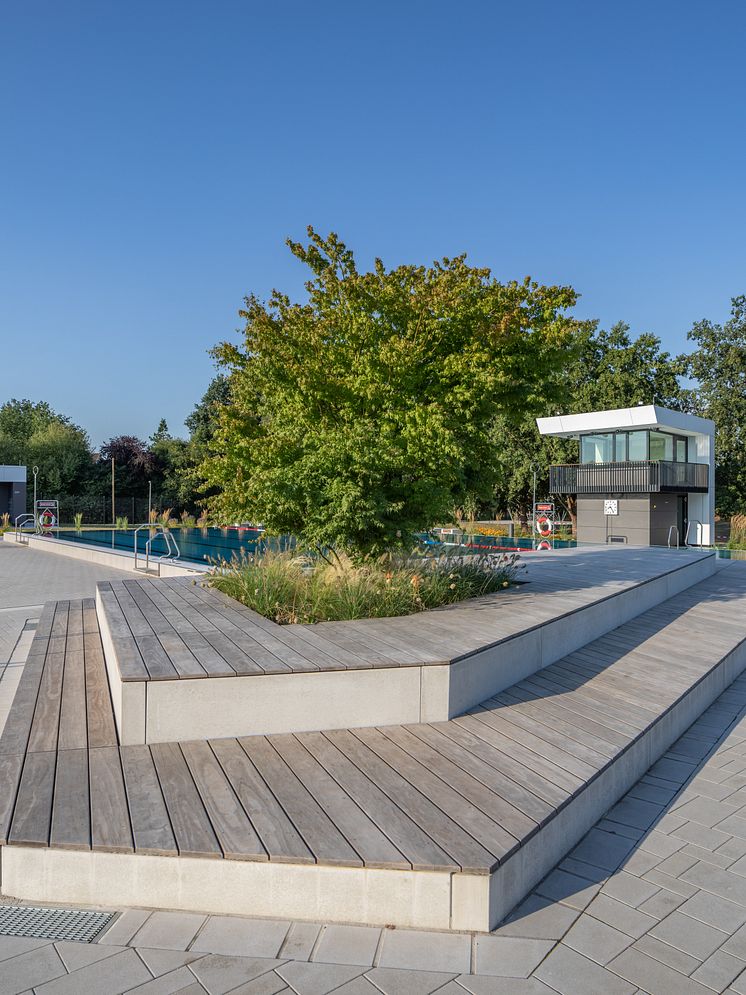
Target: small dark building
<point>12,491</point>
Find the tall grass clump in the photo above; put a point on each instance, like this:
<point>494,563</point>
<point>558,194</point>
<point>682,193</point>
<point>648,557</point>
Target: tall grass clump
<point>737,532</point>
<point>122,523</point>
<point>78,521</point>
<point>291,588</point>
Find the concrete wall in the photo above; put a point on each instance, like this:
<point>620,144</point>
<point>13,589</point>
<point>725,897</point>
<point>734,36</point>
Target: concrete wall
<point>632,522</point>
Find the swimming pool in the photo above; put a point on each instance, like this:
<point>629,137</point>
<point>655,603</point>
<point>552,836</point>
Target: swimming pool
<point>195,545</point>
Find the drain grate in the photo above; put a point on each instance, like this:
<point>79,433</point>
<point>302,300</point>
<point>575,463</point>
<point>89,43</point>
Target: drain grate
<point>53,924</point>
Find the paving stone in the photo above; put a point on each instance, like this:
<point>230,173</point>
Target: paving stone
<point>106,977</point>
<point>709,856</point>
<point>480,985</point>
<point>348,945</point>
<point>76,955</point>
<point>241,937</point>
<point>29,969</point>
<point>661,844</point>
<point>652,976</point>
<point>124,927</point>
<point>193,989</point>
<point>163,961</point>
<point>672,770</point>
<point>569,973</point>
<point>562,886</point>
<point>668,823</point>
<point>735,848</point>
<point>635,812</point>
<point>596,940</point>
<point>677,885</point>
<point>676,864</point>
<point>11,946</point>
<point>718,882</point>
<point>678,960</point>
<point>719,970</point>
<point>693,937</point>
<point>316,979</point>
<point>662,903</point>
<point>219,973</point>
<point>652,793</point>
<point>266,984</point>
<point>169,930</point>
<point>604,850</point>
<point>709,839</point>
<point>359,986</point>
<point>630,921</point>
<point>167,984</point>
<point>299,942</point>
<point>714,911</point>
<point>421,951</point>
<point>629,889</point>
<point>703,812</point>
<point>392,981</point>
<point>734,825</point>
<point>579,867</point>
<point>710,789</point>
<point>639,862</point>
<point>538,918</point>
<point>739,985</point>
<point>509,956</point>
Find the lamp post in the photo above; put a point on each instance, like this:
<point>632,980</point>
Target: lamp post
<point>36,473</point>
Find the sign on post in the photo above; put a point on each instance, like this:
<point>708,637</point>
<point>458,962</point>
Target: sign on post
<point>47,514</point>
<point>544,523</point>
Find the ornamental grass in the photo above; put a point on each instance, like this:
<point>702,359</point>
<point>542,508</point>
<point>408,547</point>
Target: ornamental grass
<point>290,588</point>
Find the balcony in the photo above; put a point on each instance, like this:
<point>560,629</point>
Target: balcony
<point>640,477</point>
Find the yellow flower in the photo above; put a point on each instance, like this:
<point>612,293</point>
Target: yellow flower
<point>453,587</point>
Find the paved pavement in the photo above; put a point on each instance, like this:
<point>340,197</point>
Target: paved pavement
<point>652,900</point>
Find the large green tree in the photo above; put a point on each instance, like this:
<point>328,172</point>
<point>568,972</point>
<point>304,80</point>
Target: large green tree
<point>718,367</point>
<point>363,414</point>
<point>610,369</point>
<point>33,434</point>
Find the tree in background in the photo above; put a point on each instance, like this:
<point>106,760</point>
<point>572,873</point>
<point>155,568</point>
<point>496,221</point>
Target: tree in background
<point>718,367</point>
<point>32,434</point>
<point>610,370</point>
<point>363,415</point>
<point>133,465</point>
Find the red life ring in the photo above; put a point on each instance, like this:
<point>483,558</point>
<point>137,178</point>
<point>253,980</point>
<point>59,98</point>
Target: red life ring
<point>544,525</point>
<point>47,520</point>
<point>544,544</point>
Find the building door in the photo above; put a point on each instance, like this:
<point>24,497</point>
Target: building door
<point>682,512</point>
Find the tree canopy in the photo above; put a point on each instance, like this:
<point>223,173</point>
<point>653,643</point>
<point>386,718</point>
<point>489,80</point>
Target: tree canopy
<point>33,434</point>
<point>718,367</point>
<point>363,414</point>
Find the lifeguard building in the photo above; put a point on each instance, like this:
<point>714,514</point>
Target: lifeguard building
<point>12,491</point>
<point>645,475</point>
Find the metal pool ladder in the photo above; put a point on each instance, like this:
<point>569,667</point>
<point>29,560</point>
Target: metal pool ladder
<point>173,552</point>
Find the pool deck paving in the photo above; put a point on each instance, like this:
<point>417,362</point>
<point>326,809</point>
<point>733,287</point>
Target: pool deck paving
<point>653,899</point>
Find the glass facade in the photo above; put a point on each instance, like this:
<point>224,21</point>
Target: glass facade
<point>622,447</point>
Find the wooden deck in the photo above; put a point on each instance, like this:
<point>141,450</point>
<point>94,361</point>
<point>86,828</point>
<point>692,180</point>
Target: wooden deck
<point>457,797</point>
<point>176,629</point>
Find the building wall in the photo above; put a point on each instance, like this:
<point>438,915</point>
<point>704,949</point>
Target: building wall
<point>632,522</point>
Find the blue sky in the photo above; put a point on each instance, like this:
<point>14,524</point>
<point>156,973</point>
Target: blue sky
<point>154,156</point>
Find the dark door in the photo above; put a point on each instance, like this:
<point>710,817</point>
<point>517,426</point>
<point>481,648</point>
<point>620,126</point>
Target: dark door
<point>682,511</point>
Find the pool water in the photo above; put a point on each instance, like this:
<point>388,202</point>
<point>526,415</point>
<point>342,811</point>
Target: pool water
<point>195,545</point>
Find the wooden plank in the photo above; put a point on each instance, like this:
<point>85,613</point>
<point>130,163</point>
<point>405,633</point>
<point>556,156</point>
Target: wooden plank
<point>154,656</point>
<point>319,832</point>
<point>473,838</point>
<point>33,810</point>
<point>279,836</point>
<point>110,820</point>
<point>409,838</point>
<point>364,836</point>
<point>191,825</point>
<point>99,712</point>
<point>462,848</point>
<point>45,726</point>
<point>14,739</point>
<point>210,660</point>
<point>71,819</point>
<point>90,618</point>
<point>73,728</point>
<point>151,826</point>
<point>129,659</point>
<point>183,660</point>
<point>592,734</point>
<point>11,766</point>
<point>236,835</point>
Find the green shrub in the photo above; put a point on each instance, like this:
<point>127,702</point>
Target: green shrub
<point>293,588</point>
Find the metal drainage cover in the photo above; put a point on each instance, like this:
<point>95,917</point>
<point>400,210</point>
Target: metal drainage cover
<point>53,924</point>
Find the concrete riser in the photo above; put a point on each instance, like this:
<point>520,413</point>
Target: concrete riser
<point>166,711</point>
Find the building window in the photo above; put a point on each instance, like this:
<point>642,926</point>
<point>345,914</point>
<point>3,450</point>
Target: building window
<point>597,448</point>
<point>681,450</point>
<point>638,445</point>
<point>620,447</point>
<point>661,446</point>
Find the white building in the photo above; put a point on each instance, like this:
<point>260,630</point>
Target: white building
<point>645,476</point>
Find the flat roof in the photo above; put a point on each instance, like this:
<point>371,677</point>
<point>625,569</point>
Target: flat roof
<point>12,474</point>
<point>620,419</point>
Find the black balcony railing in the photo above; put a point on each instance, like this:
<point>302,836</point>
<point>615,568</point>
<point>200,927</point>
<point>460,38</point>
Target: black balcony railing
<point>641,477</point>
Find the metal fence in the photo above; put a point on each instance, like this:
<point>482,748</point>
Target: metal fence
<point>638,477</point>
<point>96,509</point>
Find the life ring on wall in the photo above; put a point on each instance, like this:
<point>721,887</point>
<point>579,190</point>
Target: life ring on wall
<point>47,520</point>
<point>544,525</point>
